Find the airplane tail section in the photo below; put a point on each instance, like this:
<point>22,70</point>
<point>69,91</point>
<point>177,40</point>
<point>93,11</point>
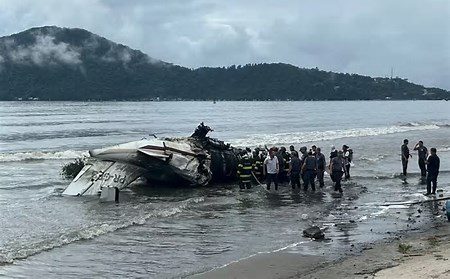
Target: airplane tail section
<point>100,174</point>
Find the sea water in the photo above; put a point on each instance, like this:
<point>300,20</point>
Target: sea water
<point>175,232</point>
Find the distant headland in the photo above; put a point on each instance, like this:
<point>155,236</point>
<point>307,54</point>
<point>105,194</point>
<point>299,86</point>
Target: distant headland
<point>71,64</point>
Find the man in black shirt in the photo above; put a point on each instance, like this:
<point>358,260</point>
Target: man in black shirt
<point>294,170</point>
<point>321,163</point>
<point>309,169</point>
<point>433,163</point>
<point>405,156</point>
<point>422,153</point>
<point>337,170</point>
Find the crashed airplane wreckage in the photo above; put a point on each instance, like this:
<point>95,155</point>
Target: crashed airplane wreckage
<point>194,161</point>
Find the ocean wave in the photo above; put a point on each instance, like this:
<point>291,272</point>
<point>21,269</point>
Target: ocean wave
<point>20,251</point>
<point>417,124</point>
<point>62,122</point>
<point>299,137</point>
<point>377,158</point>
<point>42,155</point>
<point>410,124</point>
<point>44,135</point>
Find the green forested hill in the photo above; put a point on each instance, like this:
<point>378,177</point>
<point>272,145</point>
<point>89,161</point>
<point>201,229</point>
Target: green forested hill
<point>52,63</point>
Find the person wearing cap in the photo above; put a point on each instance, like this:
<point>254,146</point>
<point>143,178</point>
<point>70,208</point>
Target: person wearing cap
<point>405,156</point>
<point>304,151</point>
<point>422,154</point>
<point>433,163</point>
<point>337,170</point>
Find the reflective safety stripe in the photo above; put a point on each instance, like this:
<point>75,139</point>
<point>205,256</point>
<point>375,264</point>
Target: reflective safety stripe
<point>247,168</point>
<point>245,175</point>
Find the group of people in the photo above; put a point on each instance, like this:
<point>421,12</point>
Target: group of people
<point>428,163</point>
<point>279,165</point>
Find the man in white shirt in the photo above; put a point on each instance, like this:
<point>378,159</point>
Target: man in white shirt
<point>271,168</point>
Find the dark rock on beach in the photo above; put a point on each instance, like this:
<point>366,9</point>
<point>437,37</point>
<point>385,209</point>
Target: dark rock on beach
<point>314,232</point>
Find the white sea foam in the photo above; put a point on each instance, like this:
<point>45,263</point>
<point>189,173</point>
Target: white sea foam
<point>385,209</point>
<point>41,155</point>
<point>362,218</point>
<point>313,136</point>
<point>378,157</point>
<point>11,254</point>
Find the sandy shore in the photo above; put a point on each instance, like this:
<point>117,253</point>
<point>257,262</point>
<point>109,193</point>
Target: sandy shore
<point>420,255</point>
<point>265,266</point>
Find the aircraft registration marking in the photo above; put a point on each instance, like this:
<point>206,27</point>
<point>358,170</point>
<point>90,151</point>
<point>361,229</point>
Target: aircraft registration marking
<point>105,176</point>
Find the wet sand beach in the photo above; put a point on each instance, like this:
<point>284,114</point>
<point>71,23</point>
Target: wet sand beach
<point>422,254</point>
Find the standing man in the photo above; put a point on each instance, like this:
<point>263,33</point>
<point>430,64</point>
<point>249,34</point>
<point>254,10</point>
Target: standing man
<point>337,170</point>
<point>245,171</point>
<point>294,170</point>
<point>321,163</point>
<point>271,168</point>
<point>433,163</point>
<point>348,154</point>
<point>285,167</point>
<point>304,153</point>
<point>309,169</point>
<point>405,156</point>
<point>422,153</point>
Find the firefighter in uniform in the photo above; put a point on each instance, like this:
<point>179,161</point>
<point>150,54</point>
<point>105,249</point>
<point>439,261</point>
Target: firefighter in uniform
<point>258,168</point>
<point>244,172</point>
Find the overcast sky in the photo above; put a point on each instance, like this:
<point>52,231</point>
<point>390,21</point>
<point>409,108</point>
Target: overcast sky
<point>355,36</point>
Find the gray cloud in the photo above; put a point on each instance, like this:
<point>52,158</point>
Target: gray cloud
<point>44,51</point>
<point>366,37</point>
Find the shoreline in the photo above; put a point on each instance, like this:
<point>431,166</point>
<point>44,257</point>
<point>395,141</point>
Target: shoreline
<point>217,101</point>
<point>415,254</point>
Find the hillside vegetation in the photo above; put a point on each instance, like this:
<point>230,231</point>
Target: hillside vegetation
<point>52,63</point>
